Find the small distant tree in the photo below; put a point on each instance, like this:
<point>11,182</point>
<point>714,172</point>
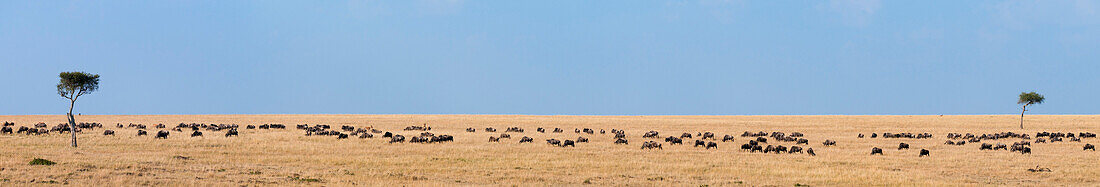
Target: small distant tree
<point>73,85</point>
<point>1027,99</point>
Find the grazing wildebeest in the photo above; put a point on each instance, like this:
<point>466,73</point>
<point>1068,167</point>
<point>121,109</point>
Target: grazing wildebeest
<point>553,142</point>
<point>876,150</point>
<point>341,136</point>
<point>589,131</point>
<point>700,143</point>
<point>471,130</point>
<point>903,146</point>
<point>651,134</point>
<point>923,152</point>
<point>620,135</point>
<point>707,135</point>
<point>582,139</point>
<point>712,145</point>
<point>986,146</point>
<point>810,151</point>
<point>142,133</point>
<point>231,132</point>
<point>829,143</point>
<point>5,130</point>
<point>397,139</point>
<point>685,135</point>
<point>761,140</point>
<point>160,134</point>
<point>1090,147</point>
<point>541,130</point>
<point>602,131</point>
<point>365,135</point>
<point>873,135</point>
<point>527,139</point>
<point>108,133</point>
<point>621,141</point>
<point>494,139</point>
<point>505,136</point>
<point>780,149</point>
<point>674,140</point>
<point>23,130</point>
<point>568,143</point>
<point>769,149</point>
<point>795,149</point>
<point>803,141</point>
<point>558,130</point>
<point>651,145</point>
<point>196,133</point>
<point>746,147</point>
<point>250,127</point>
<point>860,135</point>
<point>727,138</point>
<point>1000,146</point>
<point>949,142</point>
<point>490,129</point>
<point>387,135</point>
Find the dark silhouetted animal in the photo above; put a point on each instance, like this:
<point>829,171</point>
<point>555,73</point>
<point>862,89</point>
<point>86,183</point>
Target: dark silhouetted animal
<point>196,133</point>
<point>727,138</point>
<point>494,139</point>
<point>829,143</point>
<point>1090,147</point>
<point>986,146</point>
<point>876,150</point>
<point>810,151</point>
<point>526,139</point>
<point>621,141</point>
<point>568,143</point>
<point>231,132</point>
<point>160,134</point>
<point>903,146</point>
<point>923,152</point>
<point>142,133</point>
<point>712,145</point>
<point>108,133</point>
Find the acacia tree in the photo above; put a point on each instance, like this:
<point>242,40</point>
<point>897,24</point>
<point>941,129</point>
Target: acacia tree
<point>73,85</point>
<point>1027,99</point>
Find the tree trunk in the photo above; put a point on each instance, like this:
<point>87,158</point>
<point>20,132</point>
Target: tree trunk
<point>1022,116</point>
<point>72,122</point>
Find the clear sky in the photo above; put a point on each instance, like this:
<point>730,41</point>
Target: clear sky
<point>553,57</point>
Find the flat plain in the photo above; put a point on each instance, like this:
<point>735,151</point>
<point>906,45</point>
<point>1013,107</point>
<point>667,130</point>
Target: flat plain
<point>265,157</point>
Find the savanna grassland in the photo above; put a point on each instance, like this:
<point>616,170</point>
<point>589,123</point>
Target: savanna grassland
<point>260,157</point>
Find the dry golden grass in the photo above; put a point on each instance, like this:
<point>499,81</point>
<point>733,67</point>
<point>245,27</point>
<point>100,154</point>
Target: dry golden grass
<point>286,157</point>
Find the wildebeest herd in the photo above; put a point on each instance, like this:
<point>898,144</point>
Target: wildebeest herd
<point>763,142</point>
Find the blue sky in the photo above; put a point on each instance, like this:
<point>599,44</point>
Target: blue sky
<point>553,57</point>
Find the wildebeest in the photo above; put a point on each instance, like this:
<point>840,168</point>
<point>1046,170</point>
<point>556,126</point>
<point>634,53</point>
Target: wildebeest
<point>196,133</point>
<point>160,134</point>
<point>387,135</point>
<point>651,134</point>
<point>341,136</point>
<point>568,143</point>
<point>707,135</point>
<point>23,130</point>
<point>727,138</point>
<point>1090,147</point>
<point>558,130</point>
<point>795,149</point>
<point>505,136</point>
<point>231,132</point>
<point>397,138</point>
<point>873,135</point>
<point>620,135</point>
<point>651,145</point>
<point>712,145</point>
<point>490,129</point>
<point>621,141</point>
<point>471,130</point>
<point>685,135</point>
<point>860,135</point>
<point>810,151</point>
<point>761,140</point>
<point>769,149</point>
<point>674,140</point>
<point>494,139</point>
<point>250,127</point>
<point>829,143</point>
<point>780,149</point>
<point>366,135</point>
<point>142,133</point>
<point>986,146</point>
<point>526,139</point>
<point>803,141</point>
<point>1000,146</point>
<point>582,139</point>
<point>700,143</point>
<point>903,146</point>
<point>5,130</point>
<point>553,142</point>
<point>876,150</point>
<point>541,130</point>
<point>746,147</point>
<point>107,132</point>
